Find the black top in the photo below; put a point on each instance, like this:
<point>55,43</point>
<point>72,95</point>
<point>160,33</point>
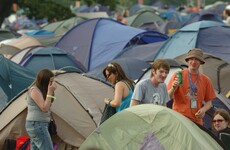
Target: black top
<point>224,136</point>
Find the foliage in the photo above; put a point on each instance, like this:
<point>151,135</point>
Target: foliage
<point>41,9</point>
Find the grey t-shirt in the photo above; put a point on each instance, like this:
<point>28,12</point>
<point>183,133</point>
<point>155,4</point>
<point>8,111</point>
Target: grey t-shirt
<point>146,92</point>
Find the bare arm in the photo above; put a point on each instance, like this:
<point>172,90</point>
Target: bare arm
<point>173,88</point>
<point>36,95</point>
<point>134,102</point>
<point>118,95</point>
<point>201,112</point>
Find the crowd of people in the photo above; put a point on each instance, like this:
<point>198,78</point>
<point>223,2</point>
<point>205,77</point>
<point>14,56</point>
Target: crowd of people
<point>192,97</point>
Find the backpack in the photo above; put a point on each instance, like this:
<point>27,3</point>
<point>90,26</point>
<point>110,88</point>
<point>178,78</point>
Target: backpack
<point>23,143</point>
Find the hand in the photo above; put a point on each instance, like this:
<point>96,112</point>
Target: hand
<point>52,86</point>
<point>106,100</point>
<point>175,83</point>
<point>200,113</point>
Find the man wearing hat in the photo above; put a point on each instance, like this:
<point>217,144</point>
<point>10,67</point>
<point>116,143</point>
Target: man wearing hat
<point>193,97</point>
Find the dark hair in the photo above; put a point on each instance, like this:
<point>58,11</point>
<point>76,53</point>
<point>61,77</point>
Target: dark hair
<point>42,80</point>
<point>117,70</point>
<point>227,11</point>
<point>160,63</point>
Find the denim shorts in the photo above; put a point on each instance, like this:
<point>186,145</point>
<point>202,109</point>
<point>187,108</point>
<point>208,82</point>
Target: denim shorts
<point>39,135</point>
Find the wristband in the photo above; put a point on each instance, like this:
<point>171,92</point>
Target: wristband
<point>50,96</point>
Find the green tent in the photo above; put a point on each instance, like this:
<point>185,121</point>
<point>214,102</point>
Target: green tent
<point>149,127</point>
<point>61,27</point>
<point>143,16</point>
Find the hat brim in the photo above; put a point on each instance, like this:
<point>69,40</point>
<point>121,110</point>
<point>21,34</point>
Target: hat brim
<point>193,56</point>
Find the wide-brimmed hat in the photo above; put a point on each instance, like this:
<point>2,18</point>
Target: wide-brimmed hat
<point>195,53</point>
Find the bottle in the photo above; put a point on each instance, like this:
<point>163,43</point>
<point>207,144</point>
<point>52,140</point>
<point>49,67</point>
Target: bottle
<point>179,77</point>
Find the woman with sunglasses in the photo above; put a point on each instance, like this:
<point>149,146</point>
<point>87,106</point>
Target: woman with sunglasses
<point>221,124</point>
<point>123,86</point>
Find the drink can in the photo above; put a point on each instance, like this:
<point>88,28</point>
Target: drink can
<point>179,76</point>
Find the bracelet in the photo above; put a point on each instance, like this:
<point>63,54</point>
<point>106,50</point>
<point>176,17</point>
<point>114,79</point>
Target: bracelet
<point>109,103</point>
<point>50,96</point>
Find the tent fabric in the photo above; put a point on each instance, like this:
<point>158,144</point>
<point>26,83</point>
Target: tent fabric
<point>61,27</point>
<point>13,79</point>
<point>203,15</point>
<point>156,124</point>
<point>6,34</point>
<point>103,39</point>
<point>76,111</point>
<point>23,42</point>
<point>132,67</point>
<point>202,34</point>
<point>142,52</point>
<point>8,50</point>
<point>91,15</point>
<point>144,16</point>
<point>52,58</point>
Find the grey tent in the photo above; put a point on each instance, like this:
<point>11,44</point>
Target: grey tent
<point>8,50</point>
<point>77,111</point>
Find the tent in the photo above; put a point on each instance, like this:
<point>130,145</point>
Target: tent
<point>203,15</point>
<point>76,111</point>
<point>61,27</point>
<point>13,79</point>
<point>203,34</point>
<point>132,67</point>
<point>6,34</point>
<point>149,127</point>
<point>144,16</point>
<point>169,27</point>
<point>143,52</point>
<point>22,42</point>
<point>37,58</point>
<point>103,40</point>
<point>8,50</point>
<point>217,7</point>
<point>91,15</point>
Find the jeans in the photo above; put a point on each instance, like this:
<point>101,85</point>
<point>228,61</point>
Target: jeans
<point>39,135</point>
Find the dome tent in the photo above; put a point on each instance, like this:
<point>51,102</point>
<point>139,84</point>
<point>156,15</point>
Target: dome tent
<point>158,128</point>
<point>76,111</point>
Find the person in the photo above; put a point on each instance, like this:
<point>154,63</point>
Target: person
<point>196,89</point>
<point>153,90</point>
<point>39,99</point>
<point>123,86</point>
<point>120,17</point>
<point>221,124</point>
<point>5,8</point>
<point>226,15</point>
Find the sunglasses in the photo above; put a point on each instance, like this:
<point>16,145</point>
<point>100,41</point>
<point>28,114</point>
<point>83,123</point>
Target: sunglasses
<point>108,75</point>
<point>218,120</point>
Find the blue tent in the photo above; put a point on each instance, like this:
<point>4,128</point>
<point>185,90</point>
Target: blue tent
<point>212,37</point>
<point>37,58</point>
<point>142,52</point>
<point>13,79</point>
<point>99,40</point>
<point>203,15</point>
